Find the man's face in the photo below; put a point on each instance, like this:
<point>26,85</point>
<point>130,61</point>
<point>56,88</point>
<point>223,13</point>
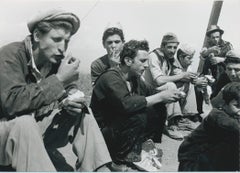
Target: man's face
<point>53,45</point>
<point>170,50</point>
<point>186,60</point>
<point>233,71</point>
<point>233,109</point>
<point>113,44</point>
<point>215,38</point>
<point>139,64</point>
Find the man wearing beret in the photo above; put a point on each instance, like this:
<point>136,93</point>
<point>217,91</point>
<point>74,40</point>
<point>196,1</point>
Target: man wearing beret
<point>159,74</point>
<point>35,77</point>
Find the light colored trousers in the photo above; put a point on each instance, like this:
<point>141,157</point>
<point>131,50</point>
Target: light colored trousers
<point>21,144</point>
<point>188,106</point>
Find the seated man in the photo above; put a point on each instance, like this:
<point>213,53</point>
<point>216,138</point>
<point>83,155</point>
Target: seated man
<point>213,54</point>
<point>182,64</point>
<point>112,40</point>
<point>232,74</point>
<point>214,145</point>
<point>127,110</point>
<point>159,75</point>
<point>35,77</point>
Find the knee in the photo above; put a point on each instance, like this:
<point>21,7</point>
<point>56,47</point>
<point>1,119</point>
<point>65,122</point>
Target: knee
<point>171,85</point>
<point>26,123</point>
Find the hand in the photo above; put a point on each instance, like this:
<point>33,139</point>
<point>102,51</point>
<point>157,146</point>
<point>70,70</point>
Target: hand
<point>200,82</point>
<point>169,96</point>
<point>215,60</point>
<point>114,58</point>
<point>74,107</point>
<point>187,76</point>
<point>68,70</point>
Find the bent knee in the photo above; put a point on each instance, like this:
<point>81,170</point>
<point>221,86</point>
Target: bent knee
<point>171,85</point>
<point>25,122</point>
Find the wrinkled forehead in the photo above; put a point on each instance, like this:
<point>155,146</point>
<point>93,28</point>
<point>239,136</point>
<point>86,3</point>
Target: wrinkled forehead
<point>171,45</point>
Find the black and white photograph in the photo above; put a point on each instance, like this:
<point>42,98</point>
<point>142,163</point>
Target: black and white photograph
<point>119,85</point>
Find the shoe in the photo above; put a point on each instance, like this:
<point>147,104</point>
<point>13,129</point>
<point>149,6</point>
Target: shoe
<point>173,132</point>
<point>148,162</point>
<point>186,124</point>
<point>121,168</point>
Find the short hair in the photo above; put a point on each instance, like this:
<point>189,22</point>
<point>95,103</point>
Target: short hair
<point>112,31</point>
<point>45,26</point>
<point>231,92</point>
<point>131,48</point>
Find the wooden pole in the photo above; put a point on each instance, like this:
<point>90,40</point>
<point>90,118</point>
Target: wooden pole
<point>213,20</point>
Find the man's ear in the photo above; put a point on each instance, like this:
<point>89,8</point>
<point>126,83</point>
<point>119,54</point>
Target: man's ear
<point>128,61</point>
<point>36,35</point>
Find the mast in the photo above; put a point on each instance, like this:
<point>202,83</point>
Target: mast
<point>213,20</point>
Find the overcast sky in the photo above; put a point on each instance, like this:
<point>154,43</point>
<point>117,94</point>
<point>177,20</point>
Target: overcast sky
<point>140,19</point>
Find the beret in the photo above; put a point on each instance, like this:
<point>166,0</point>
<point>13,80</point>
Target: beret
<point>55,15</point>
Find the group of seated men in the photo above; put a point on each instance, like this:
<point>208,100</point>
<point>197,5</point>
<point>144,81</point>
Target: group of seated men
<point>137,95</point>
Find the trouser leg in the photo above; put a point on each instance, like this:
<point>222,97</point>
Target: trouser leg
<point>22,145</point>
<point>189,104</point>
<point>89,145</point>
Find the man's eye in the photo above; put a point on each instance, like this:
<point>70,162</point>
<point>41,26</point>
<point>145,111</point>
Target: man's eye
<point>57,39</point>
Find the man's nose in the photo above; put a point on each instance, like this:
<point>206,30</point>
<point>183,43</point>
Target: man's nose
<point>145,65</point>
<point>62,47</point>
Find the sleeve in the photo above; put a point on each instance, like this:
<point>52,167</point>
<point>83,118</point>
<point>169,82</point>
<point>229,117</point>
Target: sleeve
<point>223,123</point>
<point>155,66</point>
<point>120,97</point>
<point>17,96</point>
<point>96,71</point>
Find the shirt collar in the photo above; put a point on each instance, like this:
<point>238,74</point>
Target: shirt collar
<point>31,64</point>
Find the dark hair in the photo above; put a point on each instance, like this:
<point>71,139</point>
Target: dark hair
<point>131,48</point>
<point>231,92</point>
<point>112,31</point>
<point>45,26</point>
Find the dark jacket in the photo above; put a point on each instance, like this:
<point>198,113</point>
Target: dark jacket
<point>111,98</point>
<point>19,92</point>
<point>217,139</point>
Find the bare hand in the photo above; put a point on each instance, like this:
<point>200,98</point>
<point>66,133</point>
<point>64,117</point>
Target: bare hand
<point>169,96</point>
<point>68,70</point>
<point>74,107</point>
<point>187,76</point>
<point>215,60</point>
<point>200,82</point>
<point>114,58</point>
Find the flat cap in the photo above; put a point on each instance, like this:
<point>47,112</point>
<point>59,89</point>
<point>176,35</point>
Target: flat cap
<point>214,28</point>
<point>170,38</point>
<point>55,15</point>
<point>187,49</point>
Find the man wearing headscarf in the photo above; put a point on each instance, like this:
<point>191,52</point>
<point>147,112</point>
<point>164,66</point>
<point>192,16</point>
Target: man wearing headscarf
<point>36,84</point>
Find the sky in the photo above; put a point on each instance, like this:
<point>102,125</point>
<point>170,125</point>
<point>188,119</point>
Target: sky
<point>139,19</point>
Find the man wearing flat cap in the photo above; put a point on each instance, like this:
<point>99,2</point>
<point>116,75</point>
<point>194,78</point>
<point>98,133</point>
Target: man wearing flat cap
<point>159,75</point>
<point>214,55</point>
<point>37,85</point>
